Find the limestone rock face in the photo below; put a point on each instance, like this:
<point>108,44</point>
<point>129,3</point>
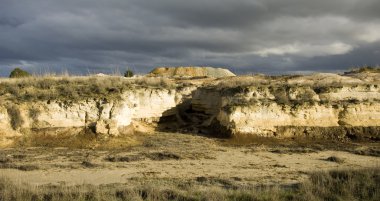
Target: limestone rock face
<point>107,128</point>
<point>207,101</point>
<point>271,107</point>
<point>264,120</point>
<point>101,128</point>
<point>106,116</point>
<point>318,106</point>
<point>254,111</point>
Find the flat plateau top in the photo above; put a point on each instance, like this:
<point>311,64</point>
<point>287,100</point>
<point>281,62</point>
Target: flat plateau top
<point>191,72</point>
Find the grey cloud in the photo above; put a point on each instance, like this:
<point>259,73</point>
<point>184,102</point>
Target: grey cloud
<point>248,35</point>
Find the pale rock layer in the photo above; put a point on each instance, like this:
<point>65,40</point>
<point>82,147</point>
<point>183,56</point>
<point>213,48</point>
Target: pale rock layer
<point>253,110</point>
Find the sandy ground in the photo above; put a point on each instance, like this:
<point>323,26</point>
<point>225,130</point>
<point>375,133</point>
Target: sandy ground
<point>182,156</point>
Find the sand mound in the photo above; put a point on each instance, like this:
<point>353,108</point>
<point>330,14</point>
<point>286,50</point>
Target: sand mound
<point>191,72</point>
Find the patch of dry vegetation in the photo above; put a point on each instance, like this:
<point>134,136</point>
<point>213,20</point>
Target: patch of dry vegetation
<point>314,80</point>
<point>334,185</point>
<point>15,115</point>
<point>73,138</point>
<point>301,145</point>
<point>242,81</point>
<point>343,185</point>
<point>74,88</point>
<point>364,69</point>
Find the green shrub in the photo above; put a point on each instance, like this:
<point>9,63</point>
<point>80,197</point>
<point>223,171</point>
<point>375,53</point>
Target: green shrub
<point>18,73</point>
<point>128,73</point>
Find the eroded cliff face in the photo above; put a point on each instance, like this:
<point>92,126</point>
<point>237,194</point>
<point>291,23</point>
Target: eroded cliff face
<point>105,117</point>
<point>295,110</point>
<point>327,106</point>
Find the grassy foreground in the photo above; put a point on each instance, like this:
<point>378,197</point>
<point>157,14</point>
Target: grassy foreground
<point>334,185</point>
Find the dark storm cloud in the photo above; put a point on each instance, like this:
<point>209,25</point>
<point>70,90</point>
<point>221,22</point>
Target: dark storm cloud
<point>272,36</point>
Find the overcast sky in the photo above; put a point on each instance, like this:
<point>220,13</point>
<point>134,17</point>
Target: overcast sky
<point>271,36</point>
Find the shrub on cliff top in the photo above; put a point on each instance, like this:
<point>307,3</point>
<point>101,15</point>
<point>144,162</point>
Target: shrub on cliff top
<point>19,73</point>
<point>128,73</point>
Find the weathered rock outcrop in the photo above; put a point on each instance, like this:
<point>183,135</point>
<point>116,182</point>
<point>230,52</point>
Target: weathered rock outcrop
<point>291,110</point>
<point>324,105</point>
<point>105,117</point>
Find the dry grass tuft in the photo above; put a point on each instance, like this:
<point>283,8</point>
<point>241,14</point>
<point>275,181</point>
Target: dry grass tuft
<point>160,156</point>
<point>343,185</point>
<point>129,158</point>
<point>335,159</point>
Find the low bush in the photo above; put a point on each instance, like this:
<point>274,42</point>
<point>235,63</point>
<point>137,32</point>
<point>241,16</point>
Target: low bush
<point>19,73</point>
<point>128,73</point>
